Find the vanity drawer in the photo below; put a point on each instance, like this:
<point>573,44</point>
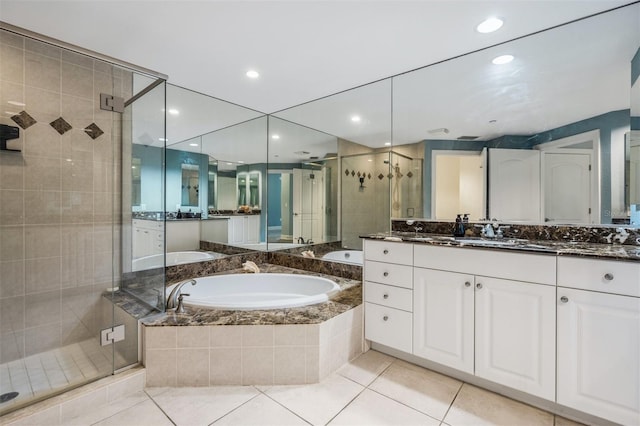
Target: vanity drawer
<point>388,295</point>
<point>599,275</point>
<point>388,273</point>
<point>388,326</point>
<point>534,268</point>
<point>388,251</point>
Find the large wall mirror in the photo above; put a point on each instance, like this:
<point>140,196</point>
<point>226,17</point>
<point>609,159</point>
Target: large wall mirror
<point>187,178</point>
<point>538,139</point>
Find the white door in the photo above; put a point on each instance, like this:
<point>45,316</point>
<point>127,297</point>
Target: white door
<point>458,185</point>
<point>308,205</point>
<point>443,318</point>
<point>567,187</point>
<point>237,229</point>
<point>515,335</point>
<point>514,185</point>
<point>598,352</point>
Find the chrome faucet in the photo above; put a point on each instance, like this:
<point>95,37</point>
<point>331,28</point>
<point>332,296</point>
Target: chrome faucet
<point>486,231</point>
<point>172,300</point>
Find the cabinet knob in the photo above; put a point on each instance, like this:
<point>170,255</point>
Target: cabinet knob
<point>564,299</point>
<point>384,318</point>
<point>479,286</point>
<point>386,274</point>
<point>467,284</point>
<point>608,276</point>
<point>385,296</point>
<point>385,251</point>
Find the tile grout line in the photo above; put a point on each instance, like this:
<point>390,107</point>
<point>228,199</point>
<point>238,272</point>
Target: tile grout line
<point>285,407</point>
<point>236,408</point>
<point>157,405</point>
<point>452,402</point>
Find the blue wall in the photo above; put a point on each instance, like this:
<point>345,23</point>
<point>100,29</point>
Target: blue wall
<point>606,123</point>
<point>151,179</point>
<point>274,204</point>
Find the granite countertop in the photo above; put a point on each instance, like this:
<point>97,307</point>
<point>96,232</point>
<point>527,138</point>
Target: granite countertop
<point>349,296</point>
<point>556,248</point>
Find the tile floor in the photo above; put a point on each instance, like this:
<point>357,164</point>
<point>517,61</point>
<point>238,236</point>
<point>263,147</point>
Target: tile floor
<point>49,372</point>
<point>374,389</point>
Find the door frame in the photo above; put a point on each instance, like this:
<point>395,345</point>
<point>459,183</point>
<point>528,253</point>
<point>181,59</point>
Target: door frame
<point>457,153</point>
<point>559,146</point>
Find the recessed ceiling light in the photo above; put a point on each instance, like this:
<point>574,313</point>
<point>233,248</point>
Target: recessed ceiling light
<point>16,103</point>
<point>193,144</point>
<point>489,25</point>
<point>370,160</point>
<point>252,74</point>
<point>162,139</point>
<point>229,164</point>
<point>274,136</point>
<point>240,161</point>
<point>174,111</point>
<point>501,60</point>
<point>387,144</point>
<point>355,118</point>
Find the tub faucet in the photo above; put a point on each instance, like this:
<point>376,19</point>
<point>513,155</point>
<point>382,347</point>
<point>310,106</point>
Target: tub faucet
<point>172,301</point>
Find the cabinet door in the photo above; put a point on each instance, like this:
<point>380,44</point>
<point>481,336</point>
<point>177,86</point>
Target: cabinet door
<point>443,317</point>
<point>236,230</point>
<point>599,354</point>
<point>253,229</point>
<point>515,335</point>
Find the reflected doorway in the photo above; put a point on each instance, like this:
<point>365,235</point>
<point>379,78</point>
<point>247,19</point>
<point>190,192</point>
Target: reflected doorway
<point>458,184</point>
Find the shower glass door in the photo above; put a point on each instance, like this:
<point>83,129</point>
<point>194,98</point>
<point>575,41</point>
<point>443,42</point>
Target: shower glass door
<point>61,219</point>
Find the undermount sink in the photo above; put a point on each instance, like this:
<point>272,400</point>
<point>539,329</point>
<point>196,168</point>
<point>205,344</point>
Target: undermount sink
<point>479,241</point>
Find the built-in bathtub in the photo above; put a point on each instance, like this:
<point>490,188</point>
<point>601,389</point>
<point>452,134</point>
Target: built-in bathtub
<point>172,259</point>
<point>258,291</point>
<point>345,256</point>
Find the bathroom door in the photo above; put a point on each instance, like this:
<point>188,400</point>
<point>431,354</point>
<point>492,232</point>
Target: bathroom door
<point>567,188</point>
<point>308,205</point>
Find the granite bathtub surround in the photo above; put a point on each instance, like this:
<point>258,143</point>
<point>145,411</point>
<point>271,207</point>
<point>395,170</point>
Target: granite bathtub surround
<point>594,234</point>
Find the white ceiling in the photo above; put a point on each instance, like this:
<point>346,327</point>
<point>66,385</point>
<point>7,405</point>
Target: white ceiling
<point>303,49</point>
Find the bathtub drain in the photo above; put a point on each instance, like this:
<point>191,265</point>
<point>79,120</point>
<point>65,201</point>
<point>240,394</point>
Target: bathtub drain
<point>6,397</point>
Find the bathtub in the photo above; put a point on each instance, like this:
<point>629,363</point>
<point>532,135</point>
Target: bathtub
<point>258,291</point>
<point>173,258</point>
<point>345,256</point>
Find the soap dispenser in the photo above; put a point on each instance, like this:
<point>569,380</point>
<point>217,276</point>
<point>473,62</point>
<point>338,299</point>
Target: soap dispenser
<point>458,229</point>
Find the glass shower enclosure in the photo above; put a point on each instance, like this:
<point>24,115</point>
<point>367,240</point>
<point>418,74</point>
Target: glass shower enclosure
<point>63,217</point>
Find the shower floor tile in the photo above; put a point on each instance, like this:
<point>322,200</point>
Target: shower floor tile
<point>42,374</point>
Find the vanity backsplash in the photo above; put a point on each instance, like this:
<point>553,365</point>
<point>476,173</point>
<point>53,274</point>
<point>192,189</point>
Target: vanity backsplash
<point>623,234</point>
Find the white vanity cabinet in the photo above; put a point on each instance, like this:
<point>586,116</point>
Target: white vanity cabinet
<point>487,313</point>
<point>598,308</point>
<point>388,286</point>
<point>244,229</point>
<point>147,238</point>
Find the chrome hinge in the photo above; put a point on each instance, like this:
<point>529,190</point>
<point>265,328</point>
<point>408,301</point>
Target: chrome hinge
<point>111,103</point>
<point>111,335</point>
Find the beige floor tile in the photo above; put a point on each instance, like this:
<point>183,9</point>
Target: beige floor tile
<point>261,410</point>
<point>475,406</point>
<point>371,408</point>
<point>419,388</point>
<point>317,403</point>
<point>102,413</point>
<point>202,406</point>
<point>143,414</point>
<point>366,368</point>
<point>561,421</point>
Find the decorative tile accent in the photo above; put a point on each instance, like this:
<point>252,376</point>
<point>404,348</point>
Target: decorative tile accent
<point>353,173</point>
<point>369,175</point>
<point>390,175</point>
<point>410,174</point>
<point>24,120</point>
<point>61,125</point>
<point>346,172</point>
<point>380,176</point>
<point>93,131</point>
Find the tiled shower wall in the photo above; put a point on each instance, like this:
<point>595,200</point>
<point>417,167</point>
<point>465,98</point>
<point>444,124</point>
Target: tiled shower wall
<point>59,196</point>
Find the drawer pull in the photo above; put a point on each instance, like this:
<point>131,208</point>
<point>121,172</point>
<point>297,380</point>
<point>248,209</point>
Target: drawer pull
<point>608,277</point>
<point>385,251</point>
<point>385,318</point>
<point>479,286</point>
<point>385,296</point>
<point>564,299</point>
<point>467,284</point>
<point>386,274</point>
